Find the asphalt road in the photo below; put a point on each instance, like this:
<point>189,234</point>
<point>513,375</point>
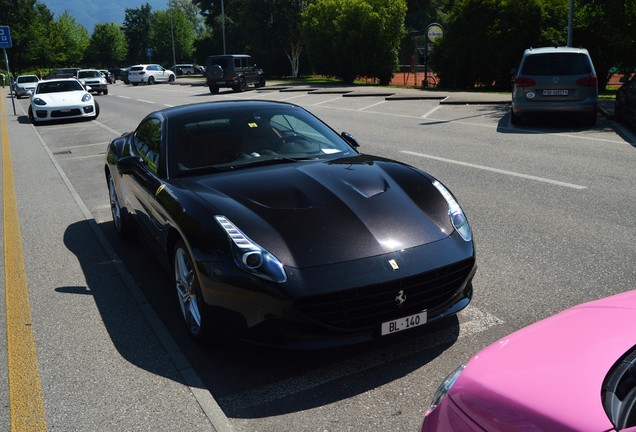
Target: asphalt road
<point>551,205</point>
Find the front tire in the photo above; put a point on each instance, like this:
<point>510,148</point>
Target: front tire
<point>96,110</point>
<point>193,308</point>
<point>214,89</point>
<point>31,116</point>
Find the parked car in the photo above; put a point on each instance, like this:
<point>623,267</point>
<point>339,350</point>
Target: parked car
<point>110,78</point>
<point>186,69</point>
<point>149,74</point>
<point>277,230</point>
<point>94,80</point>
<point>23,84</point>
<point>574,371</point>
<point>625,105</point>
<point>62,73</point>
<point>555,80</point>
<point>59,99</point>
<point>236,71</point>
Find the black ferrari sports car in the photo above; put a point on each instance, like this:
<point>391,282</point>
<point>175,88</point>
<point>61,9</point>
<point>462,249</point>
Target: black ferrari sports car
<point>278,230</point>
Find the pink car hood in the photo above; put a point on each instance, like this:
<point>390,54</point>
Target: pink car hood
<point>548,376</point>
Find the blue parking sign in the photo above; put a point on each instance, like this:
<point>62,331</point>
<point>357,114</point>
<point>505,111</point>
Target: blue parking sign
<point>5,37</point>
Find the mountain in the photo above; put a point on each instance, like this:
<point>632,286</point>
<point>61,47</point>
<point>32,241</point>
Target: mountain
<point>91,12</point>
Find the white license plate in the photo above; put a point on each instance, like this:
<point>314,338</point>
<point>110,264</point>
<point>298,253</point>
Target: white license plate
<point>404,323</point>
<point>555,92</point>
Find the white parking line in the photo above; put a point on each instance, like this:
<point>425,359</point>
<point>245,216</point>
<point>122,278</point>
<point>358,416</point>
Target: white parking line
<point>431,111</point>
<point>372,105</point>
<point>496,170</point>
<point>145,101</point>
<point>327,101</point>
<point>473,321</point>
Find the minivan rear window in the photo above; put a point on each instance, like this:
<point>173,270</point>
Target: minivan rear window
<point>556,64</point>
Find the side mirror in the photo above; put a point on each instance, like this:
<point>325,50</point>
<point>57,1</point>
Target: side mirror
<point>350,139</point>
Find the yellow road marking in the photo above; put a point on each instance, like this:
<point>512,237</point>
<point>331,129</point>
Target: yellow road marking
<point>25,391</point>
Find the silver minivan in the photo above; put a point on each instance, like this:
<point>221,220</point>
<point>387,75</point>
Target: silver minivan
<point>555,80</point>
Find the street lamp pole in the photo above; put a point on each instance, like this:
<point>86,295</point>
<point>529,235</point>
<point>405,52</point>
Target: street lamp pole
<point>223,25</point>
<point>174,57</point>
<point>570,23</point>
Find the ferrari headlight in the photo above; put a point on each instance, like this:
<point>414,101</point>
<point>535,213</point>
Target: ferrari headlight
<point>457,216</point>
<point>444,388</point>
<point>86,97</point>
<point>39,101</point>
<point>251,257</point>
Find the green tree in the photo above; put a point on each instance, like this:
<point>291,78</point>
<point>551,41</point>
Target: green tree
<point>351,38</point>
<point>484,39</point>
<point>271,31</point>
<point>607,28</point>
<point>69,41</point>
<point>107,47</point>
<point>191,12</point>
<point>167,25</point>
<point>138,30</point>
<point>30,23</point>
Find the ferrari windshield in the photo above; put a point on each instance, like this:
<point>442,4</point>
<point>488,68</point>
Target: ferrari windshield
<point>59,86</point>
<point>233,138</point>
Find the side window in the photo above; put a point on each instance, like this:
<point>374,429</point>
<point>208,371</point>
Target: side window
<point>148,142</point>
<point>237,63</point>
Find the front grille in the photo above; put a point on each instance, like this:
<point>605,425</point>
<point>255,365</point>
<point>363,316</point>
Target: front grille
<point>69,113</point>
<point>368,306</point>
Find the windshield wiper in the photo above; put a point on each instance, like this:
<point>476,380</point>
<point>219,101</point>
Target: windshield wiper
<point>203,170</point>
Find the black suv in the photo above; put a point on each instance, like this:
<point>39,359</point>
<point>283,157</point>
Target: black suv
<point>233,70</point>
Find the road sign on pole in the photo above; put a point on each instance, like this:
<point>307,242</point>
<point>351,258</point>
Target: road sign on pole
<point>5,37</point>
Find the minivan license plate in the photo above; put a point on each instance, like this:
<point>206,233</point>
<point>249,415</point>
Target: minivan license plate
<point>555,92</point>
<point>404,323</point>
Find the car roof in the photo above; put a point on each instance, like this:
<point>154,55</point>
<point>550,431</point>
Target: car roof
<point>546,50</point>
<point>178,111</point>
<point>28,75</point>
<point>58,79</point>
<point>230,55</point>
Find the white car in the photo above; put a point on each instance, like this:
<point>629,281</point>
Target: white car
<point>94,79</point>
<point>149,74</point>
<point>23,84</point>
<point>59,99</point>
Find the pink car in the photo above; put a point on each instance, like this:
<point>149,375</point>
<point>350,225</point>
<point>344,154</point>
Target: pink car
<point>574,371</point>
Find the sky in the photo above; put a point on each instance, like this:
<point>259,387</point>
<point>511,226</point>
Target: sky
<point>91,12</point>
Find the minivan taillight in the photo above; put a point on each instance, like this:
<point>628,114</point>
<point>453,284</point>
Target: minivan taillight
<point>525,82</point>
<point>587,82</point>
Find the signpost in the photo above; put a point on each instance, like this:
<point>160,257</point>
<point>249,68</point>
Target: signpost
<point>434,31</point>
<point>5,42</point>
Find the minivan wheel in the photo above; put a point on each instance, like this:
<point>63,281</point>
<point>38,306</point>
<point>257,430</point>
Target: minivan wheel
<point>515,119</point>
